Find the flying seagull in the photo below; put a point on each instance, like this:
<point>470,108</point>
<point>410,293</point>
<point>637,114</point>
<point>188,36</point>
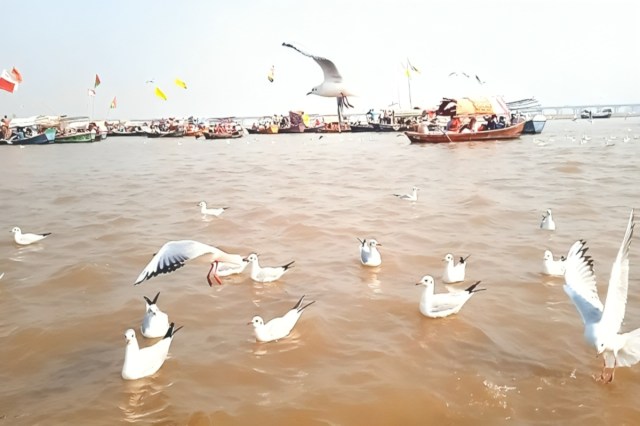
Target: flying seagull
<point>479,81</point>
<point>332,86</point>
<point>602,323</point>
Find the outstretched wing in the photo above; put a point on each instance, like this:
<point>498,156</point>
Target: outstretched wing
<point>174,254</point>
<point>616,302</point>
<point>329,69</point>
<point>581,283</point>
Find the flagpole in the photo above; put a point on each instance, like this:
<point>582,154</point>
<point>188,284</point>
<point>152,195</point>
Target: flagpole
<point>409,84</point>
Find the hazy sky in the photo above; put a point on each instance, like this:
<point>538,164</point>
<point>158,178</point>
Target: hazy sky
<point>561,52</point>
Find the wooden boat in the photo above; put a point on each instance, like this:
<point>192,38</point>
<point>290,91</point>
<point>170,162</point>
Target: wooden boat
<point>169,134</point>
<point>293,128</point>
<point>211,135</point>
<point>335,128</point>
<point>511,132</point>
<point>80,137</point>
<point>39,139</point>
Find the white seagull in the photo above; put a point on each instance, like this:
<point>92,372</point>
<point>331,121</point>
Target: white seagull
<point>547,221</point>
<point>332,86</point>
<point>553,267</point>
<point>26,239</point>
<point>279,327</point>
<point>139,363</point>
<point>213,212</point>
<point>266,274</point>
<point>1,275</point>
<point>602,323</point>
<point>443,304</point>
<point>174,254</point>
<point>454,273</point>
<point>155,322</point>
<point>369,254</point>
<point>227,269</point>
<point>410,197</point>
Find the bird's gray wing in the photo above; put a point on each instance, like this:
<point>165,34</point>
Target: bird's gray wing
<point>616,302</point>
<point>172,256</point>
<point>581,283</point>
<point>331,73</point>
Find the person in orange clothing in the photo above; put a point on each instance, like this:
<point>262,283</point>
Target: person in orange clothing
<point>454,124</point>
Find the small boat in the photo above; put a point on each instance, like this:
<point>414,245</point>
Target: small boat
<point>604,113</point>
<point>269,129</point>
<point>511,132</point>
<point>80,137</point>
<point>225,135</point>
<point>167,134</point>
<point>534,125</point>
<point>39,139</point>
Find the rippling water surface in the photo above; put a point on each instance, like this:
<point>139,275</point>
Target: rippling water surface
<point>363,354</point>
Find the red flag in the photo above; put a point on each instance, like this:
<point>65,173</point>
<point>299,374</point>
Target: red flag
<point>6,82</point>
<point>97,83</point>
<point>16,75</point>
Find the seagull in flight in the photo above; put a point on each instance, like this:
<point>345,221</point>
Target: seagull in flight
<point>332,86</point>
<point>602,322</point>
<point>174,254</point>
<point>480,81</point>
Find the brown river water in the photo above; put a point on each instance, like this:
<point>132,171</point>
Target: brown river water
<point>362,354</point>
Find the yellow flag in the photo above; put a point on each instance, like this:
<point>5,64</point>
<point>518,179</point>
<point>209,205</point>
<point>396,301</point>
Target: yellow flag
<point>407,72</point>
<point>181,83</point>
<point>160,94</point>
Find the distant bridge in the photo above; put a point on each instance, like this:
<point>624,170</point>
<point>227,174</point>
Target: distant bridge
<point>618,109</point>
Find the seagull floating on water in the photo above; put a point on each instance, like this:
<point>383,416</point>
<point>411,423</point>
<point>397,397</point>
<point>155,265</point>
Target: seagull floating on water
<point>213,212</point>
<point>454,273</point>
<point>551,266</point>
<point>410,197</point>
<point>602,323</point>
<point>155,322</point>
<point>174,254</point>
<point>139,363</point>
<point>369,254</point>
<point>27,238</point>
<point>279,327</point>
<point>547,221</point>
<point>443,304</point>
<point>227,269</point>
<point>332,86</point>
<point>266,274</point>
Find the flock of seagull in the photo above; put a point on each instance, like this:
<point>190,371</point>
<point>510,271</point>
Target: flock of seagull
<point>602,322</point>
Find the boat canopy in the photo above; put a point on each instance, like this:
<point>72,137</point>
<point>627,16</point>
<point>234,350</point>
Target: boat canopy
<point>473,106</point>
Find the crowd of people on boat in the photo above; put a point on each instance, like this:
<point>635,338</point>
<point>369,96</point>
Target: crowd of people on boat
<point>491,122</point>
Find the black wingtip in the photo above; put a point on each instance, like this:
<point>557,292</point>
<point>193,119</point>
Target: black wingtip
<point>155,299</point>
<point>472,288</point>
<point>149,302</point>
<point>288,265</point>
<point>171,332</point>
<point>45,234</point>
